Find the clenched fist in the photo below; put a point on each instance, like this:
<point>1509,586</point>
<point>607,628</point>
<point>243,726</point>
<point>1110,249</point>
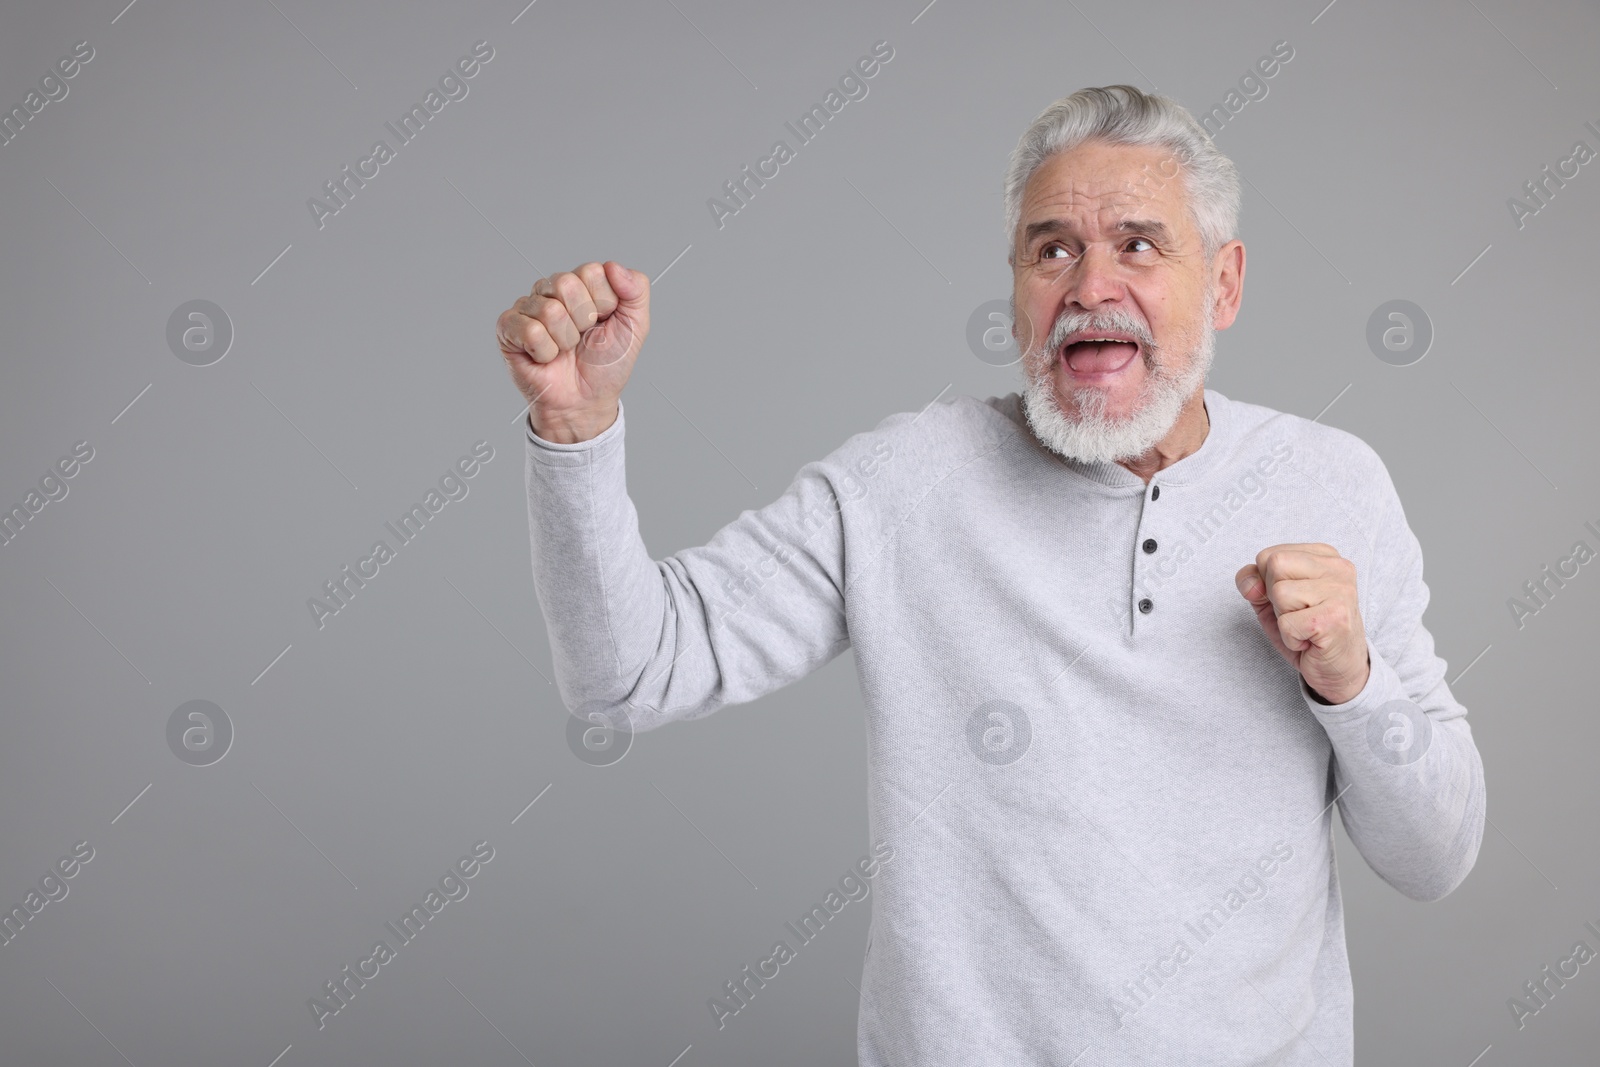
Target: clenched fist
<point>571,344</point>
<point>1305,598</point>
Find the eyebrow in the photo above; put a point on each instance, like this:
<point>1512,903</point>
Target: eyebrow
<point>1154,228</point>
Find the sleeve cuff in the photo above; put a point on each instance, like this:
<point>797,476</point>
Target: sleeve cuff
<point>1383,685</point>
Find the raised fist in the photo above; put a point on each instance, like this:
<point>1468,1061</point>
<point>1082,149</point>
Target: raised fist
<point>571,344</point>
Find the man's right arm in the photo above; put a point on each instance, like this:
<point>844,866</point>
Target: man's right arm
<point>757,607</point>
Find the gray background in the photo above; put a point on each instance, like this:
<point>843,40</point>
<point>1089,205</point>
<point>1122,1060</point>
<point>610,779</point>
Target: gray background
<point>419,720</point>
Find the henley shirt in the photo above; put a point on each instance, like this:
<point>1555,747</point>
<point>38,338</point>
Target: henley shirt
<point>1103,799</point>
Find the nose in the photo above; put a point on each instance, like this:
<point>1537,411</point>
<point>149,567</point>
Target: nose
<point>1094,279</point>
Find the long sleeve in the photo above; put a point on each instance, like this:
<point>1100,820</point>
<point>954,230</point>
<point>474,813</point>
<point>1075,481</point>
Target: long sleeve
<point>1407,773</point>
<point>757,607</point>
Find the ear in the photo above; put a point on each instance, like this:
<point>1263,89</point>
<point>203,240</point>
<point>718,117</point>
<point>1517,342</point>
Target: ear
<point>1227,275</point>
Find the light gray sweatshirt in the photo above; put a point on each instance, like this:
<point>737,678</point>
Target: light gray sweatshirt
<point>1108,798</point>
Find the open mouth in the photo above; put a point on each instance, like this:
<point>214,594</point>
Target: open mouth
<point>1096,357</point>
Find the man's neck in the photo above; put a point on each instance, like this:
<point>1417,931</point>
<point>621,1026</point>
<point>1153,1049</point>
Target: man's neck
<point>1184,439</point>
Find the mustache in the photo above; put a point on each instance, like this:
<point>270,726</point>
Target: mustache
<point>1117,320</point>
<point>1039,358</point>
<point>1068,323</point>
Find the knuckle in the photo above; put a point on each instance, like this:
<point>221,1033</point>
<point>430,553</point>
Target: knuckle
<point>550,312</point>
<point>576,303</point>
<point>597,288</point>
<point>569,287</point>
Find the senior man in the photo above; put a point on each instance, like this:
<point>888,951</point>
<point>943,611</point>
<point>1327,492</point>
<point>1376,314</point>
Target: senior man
<point>1124,642</point>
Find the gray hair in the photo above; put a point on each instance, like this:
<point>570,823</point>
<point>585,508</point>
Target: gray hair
<point>1125,115</point>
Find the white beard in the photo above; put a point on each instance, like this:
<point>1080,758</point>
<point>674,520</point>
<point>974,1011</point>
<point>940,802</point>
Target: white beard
<point>1094,437</point>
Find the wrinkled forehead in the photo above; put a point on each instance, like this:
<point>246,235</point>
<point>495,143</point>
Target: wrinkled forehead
<point>1096,193</point>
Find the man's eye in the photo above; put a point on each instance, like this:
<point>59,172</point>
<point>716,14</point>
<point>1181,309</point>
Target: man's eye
<point>1141,240</point>
<point>1044,253</point>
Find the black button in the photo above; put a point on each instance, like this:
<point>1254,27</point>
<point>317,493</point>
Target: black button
<point>1155,492</point>
<point>1145,605</point>
<point>1149,544</point>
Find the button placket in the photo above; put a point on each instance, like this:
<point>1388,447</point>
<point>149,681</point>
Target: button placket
<point>1149,545</point>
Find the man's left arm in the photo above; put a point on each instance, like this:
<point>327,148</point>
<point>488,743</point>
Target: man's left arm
<point>1408,775</point>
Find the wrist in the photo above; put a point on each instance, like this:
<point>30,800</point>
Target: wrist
<point>1345,693</point>
<point>573,427</point>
